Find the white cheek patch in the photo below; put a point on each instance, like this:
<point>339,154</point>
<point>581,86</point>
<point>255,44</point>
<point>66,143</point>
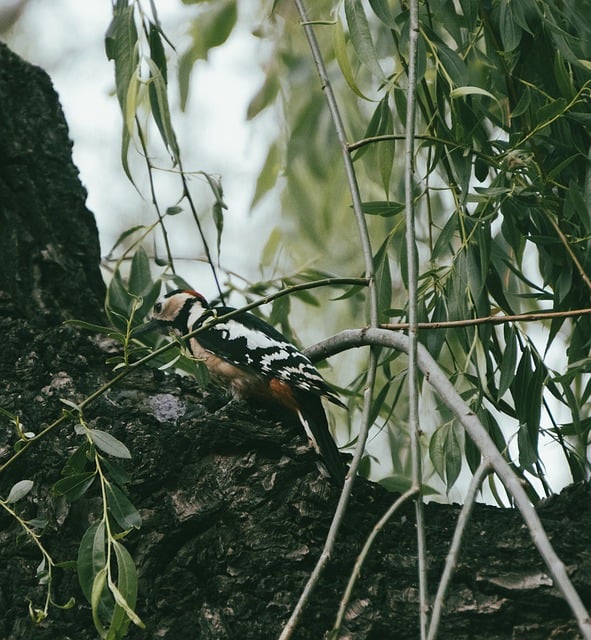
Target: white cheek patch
<point>194,315</point>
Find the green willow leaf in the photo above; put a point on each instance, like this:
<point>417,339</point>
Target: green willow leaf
<point>121,508</point>
<point>384,208</point>
<point>383,11</point>
<point>127,584</point>
<point>140,277</point>
<point>75,486</point>
<point>510,31</point>
<point>340,49</point>
<point>361,38</point>
<point>91,557</point>
<point>509,360</point>
<point>161,110</point>
<point>446,454</point>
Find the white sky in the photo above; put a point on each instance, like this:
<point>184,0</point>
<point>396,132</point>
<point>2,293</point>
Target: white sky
<point>66,38</point>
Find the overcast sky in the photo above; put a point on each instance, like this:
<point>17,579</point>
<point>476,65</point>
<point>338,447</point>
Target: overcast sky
<point>66,38</point>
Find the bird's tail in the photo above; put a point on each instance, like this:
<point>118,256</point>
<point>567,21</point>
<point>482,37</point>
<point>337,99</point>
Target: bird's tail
<point>313,418</point>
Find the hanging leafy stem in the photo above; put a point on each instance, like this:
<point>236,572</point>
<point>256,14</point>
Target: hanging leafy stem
<point>136,43</point>
<point>33,528</point>
<point>106,570</point>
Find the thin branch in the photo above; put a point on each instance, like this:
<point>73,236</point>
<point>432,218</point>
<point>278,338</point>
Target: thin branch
<point>481,438</point>
<point>412,268</point>
<point>454,549</point>
<point>503,319</point>
<point>189,197</point>
<point>373,317</point>
<point>153,193</point>
<point>291,624</point>
<point>569,249</point>
<point>389,137</point>
<point>407,495</point>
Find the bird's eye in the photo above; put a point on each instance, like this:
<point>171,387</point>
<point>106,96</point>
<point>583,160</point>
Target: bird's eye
<point>158,307</point>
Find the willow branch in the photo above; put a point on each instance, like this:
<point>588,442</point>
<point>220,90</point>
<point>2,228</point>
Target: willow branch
<point>158,352</point>
<point>412,267</point>
<point>407,495</point>
<point>435,376</point>
<point>502,319</point>
<point>569,249</point>
<point>454,549</point>
<point>150,168</point>
<point>373,318</point>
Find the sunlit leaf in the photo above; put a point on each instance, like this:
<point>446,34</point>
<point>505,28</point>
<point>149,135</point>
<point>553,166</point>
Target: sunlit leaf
<point>340,49</point>
<point>361,38</point>
<point>19,490</point>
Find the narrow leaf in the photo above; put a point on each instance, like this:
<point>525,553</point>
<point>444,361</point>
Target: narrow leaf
<point>361,38</point>
<point>91,557</point>
<point>75,486</point>
<point>140,278</point>
<point>109,444</point>
<point>125,514</point>
<point>19,491</point>
<point>340,49</point>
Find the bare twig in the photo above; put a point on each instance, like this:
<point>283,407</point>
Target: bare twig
<point>454,549</point>
<point>502,319</point>
<point>150,168</point>
<point>479,435</point>
<point>569,249</point>
<point>407,495</point>
<point>189,197</point>
<point>373,313</point>
<point>411,253</point>
<point>329,543</point>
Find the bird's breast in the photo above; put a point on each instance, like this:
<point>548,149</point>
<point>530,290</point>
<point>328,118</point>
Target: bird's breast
<point>242,383</point>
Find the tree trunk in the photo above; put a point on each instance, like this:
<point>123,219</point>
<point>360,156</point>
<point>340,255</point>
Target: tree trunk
<point>234,511</point>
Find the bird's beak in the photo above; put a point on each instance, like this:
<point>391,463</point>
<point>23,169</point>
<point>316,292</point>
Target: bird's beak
<point>151,325</point>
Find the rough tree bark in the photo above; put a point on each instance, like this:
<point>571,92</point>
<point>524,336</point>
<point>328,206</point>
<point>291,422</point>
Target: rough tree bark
<point>234,514</point>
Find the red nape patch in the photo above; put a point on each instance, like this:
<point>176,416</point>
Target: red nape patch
<point>282,393</point>
<point>197,295</point>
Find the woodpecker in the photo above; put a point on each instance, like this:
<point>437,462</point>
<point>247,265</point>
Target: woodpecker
<point>255,361</point>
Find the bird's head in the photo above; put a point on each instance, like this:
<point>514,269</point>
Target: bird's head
<point>177,309</point>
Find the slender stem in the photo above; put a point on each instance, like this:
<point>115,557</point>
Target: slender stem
<point>407,495</point>
<point>436,377</point>
<point>329,543</point>
<point>411,252</point>
<point>373,317</point>
<point>569,249</point>
<point>454,549</point>
<point>388,137</point>
<point>189,197</point>
<point>346,154</point>
<point>502,319</point>
<point>150,168</point>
